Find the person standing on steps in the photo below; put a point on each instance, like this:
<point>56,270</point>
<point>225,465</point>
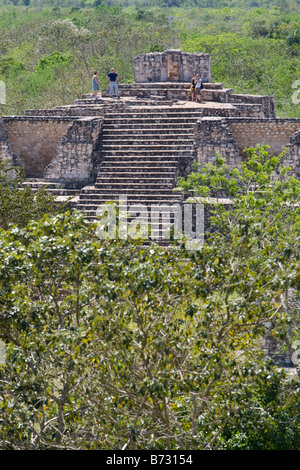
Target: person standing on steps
<point>198,87</point>
<point>193,86</point>
<point>95,84</point>
<point>113,78</point>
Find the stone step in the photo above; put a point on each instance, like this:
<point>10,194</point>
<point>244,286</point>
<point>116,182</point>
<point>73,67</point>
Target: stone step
<point>182,132</point>
<point>138,184</point>
<point>92,208</point>
<point>131,209</point>
<point>154,114</point>
<point>138,164</point>
<point>127,177</point>
<point>96,195</point>
<point>71,113</point>
<point>160,119</point>
<point>155,93</point>
<point>149,127</point>
<point>154,212</point>
<point>133,189</point>
<point>107,102</point>
<point>147,235</point>
<point>52,188</point>
<point>184,94</point>
<point>149,153</point>
<point>171,109</point>
<point>161,109</point>
<point>89,101</point>
<point>83,104</point>
<point>134,176</point>
<point>109,141</point>
<point>131,186</point>
<point>114,167</point>
<point>135,172</point>
<point>153,85</point>
<point>169,93</point>
<point>151,230</point>
<point>148,146</point>
<point>133,200</point>
<point>41,185</point>
<point>63,192</point>
<point>160,132</point>
<point>158,85</point>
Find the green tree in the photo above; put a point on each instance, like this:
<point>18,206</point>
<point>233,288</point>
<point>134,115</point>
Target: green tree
<point>56,58</point>
<point>114,345</point>
<point>18,202</point>
<point>10,67</point>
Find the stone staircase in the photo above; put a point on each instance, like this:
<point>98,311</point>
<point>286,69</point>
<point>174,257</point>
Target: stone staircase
<point>147,142</point>
<point>169,91</point>
<point>216,100</point>
<point>143,151</point>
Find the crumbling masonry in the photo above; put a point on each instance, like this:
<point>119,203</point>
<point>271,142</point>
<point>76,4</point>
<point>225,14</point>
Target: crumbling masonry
<point>138,146</point>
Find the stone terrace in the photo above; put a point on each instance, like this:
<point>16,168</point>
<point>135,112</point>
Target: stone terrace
<point>137,147</point>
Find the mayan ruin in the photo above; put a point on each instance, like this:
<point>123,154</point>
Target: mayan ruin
<point>94,151</point>
<point>150,229</point>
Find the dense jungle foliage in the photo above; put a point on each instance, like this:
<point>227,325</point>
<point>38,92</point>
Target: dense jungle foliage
<point>110,344</point>
<point>49,50</point>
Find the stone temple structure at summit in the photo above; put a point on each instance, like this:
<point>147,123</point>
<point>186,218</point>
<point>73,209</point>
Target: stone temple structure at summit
<point>94,151</point>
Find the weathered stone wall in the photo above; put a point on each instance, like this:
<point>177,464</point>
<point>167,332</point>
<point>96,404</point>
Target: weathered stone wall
<point>74,162</point>
<point>266,103</point>
<point>34,140</point>
<point>172,65</point>
<point>292,157</point>
<point>213,135</point>
<point>66,111</point>
<point>273,132</point>
<point>6,154</point>
<point>236,110</point>
<point>230,136</point>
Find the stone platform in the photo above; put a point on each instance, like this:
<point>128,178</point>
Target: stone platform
<point>136,148</point>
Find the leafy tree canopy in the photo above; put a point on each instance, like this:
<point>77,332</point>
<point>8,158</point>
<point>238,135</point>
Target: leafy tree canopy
<point>19,204</point>
<point>53,59</point>
<point>111,344</point>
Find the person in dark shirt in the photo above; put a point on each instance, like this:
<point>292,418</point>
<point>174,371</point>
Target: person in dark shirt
<point>193,86</point>
<point>113,78</point>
